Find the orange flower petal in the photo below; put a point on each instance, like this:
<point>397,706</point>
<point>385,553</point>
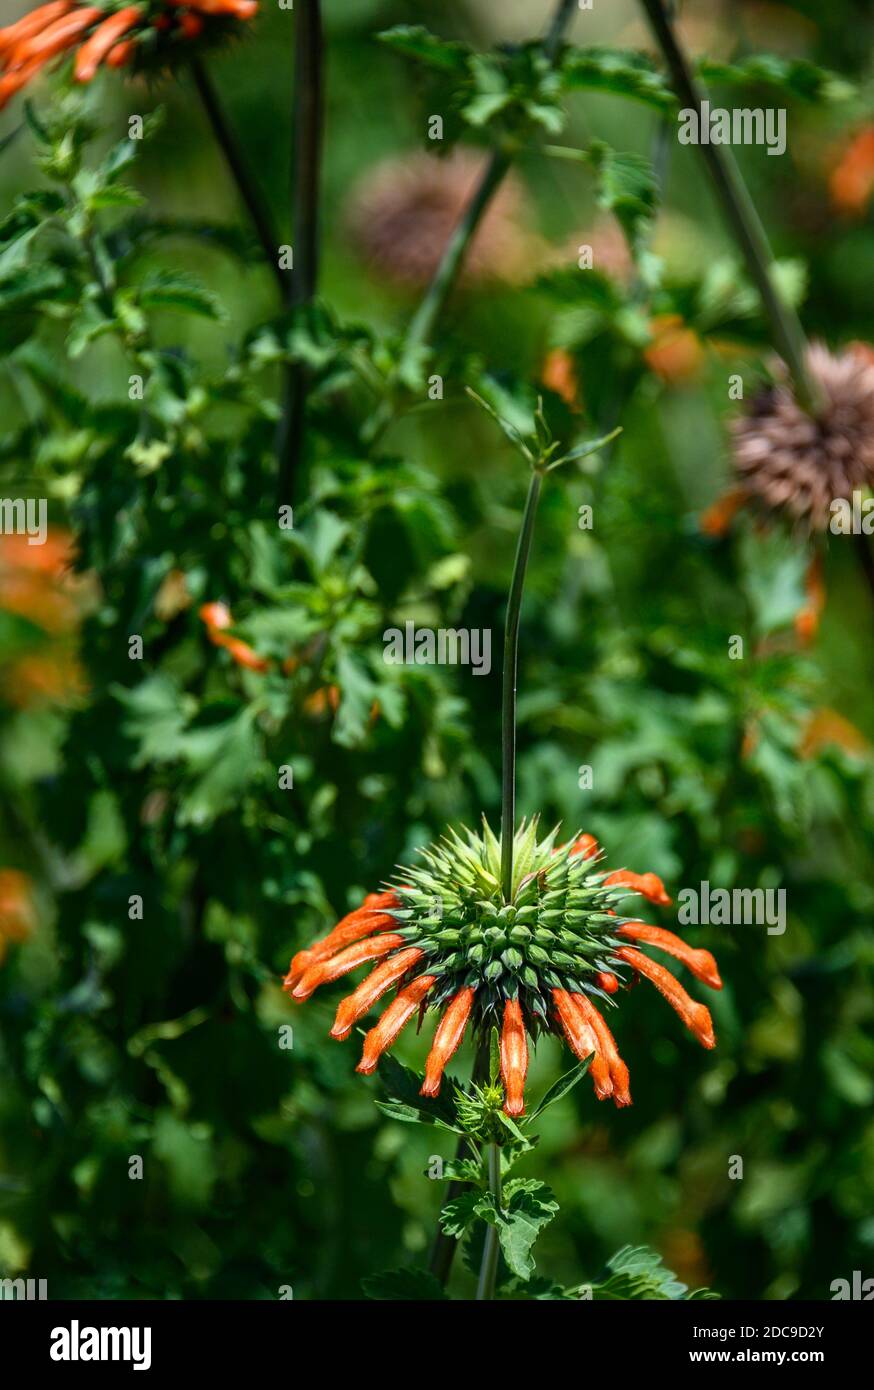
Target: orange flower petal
<point>447,1039</point>
<point>398,1013</point>
<point>364,921</point>
<point>695,1016</point>
<point>33,23</point>
<point>97,46</point>
<point>514,1058</point>
<point>608,1050</point>
<point>582,1040</point>
<point>586,845</point>
<point>323,972</point>
<point>700,962</point>
<point>649,886</point>
<point>56,38</point>
<point>718,517</point>
<point>378,982</point>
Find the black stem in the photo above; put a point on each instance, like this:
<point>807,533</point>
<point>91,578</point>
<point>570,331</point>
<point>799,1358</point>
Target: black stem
<point>788,334</point>
<point>305,179</point>
<point>239,169</point>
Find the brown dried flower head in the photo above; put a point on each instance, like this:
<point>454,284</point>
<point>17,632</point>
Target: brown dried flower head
<point>402,213</point>
<point>793,463</point>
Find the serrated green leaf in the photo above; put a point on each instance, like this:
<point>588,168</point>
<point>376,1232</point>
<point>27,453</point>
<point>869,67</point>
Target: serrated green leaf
<point>417,42</point>
<point>795,76</point>
<point>620,71</point>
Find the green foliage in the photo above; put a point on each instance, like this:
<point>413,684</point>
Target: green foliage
<point>267,1164</point>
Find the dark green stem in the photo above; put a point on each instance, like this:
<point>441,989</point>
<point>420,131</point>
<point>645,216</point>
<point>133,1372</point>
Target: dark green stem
<point>305,176</point>
<point>423,321</point>
<point>740,211</point>
<point>421,325</point>
<point>508,692</point>
<point>239,169</point>
<point>444,1247</point>
<point>488,1270</point>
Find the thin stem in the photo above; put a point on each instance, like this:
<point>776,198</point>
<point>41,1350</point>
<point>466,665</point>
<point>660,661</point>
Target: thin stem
<point>741,213</point>
<point>508,693</point>
<point>305,176</point>
<point>444,1247</point>
<point>238,167</point>
<point>488,1270</point>
<point>421,325</point>
<point>555,33</point>
<point>423,321</point>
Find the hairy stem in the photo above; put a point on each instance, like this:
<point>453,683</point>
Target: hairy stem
<point>508,690</point>
<point>238,167</point>
<point>444,1247</point>
<point>305,175</point>
<point>740,211</point>
<point>488,1270</point>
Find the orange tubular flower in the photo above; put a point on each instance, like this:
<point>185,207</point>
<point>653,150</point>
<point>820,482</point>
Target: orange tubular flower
<point>104,38</point>
<point>106,35</point>
<point>33,23</point>
<point>701,963</point>
<point>537,962</point>
<point>16,907</point>
<point>378,982</point>
<point>649,886</point>
<point>514,1057</point>
<point>217,617</point>
<point>365,920</point>
<point>398,1013</point>
<point>582,1040</point>
<point>447,1040</point>
<point>353,956</point>
<point>695,1016</point>
<point>587,846</point>
<point>607,1049</point>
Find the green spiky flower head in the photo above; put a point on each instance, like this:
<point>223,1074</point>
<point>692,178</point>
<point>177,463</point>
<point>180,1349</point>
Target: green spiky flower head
<point>557,931</point>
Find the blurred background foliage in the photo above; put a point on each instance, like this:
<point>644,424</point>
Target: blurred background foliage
<point>266,1166</point>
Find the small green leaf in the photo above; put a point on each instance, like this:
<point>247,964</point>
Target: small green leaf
<point>794,76</point>
<point>416,42</point>
<point>527,1206</point>
<point>168,290</point>
<point>616,70</point>
<point>461,1212</point>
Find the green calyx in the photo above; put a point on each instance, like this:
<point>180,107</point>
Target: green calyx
<point>557,930</point>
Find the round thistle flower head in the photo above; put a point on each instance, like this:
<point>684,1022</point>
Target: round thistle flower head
<point>148,33</point>
<point>790,461</point>
<point>402,213</point>
<point>444,935</point>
